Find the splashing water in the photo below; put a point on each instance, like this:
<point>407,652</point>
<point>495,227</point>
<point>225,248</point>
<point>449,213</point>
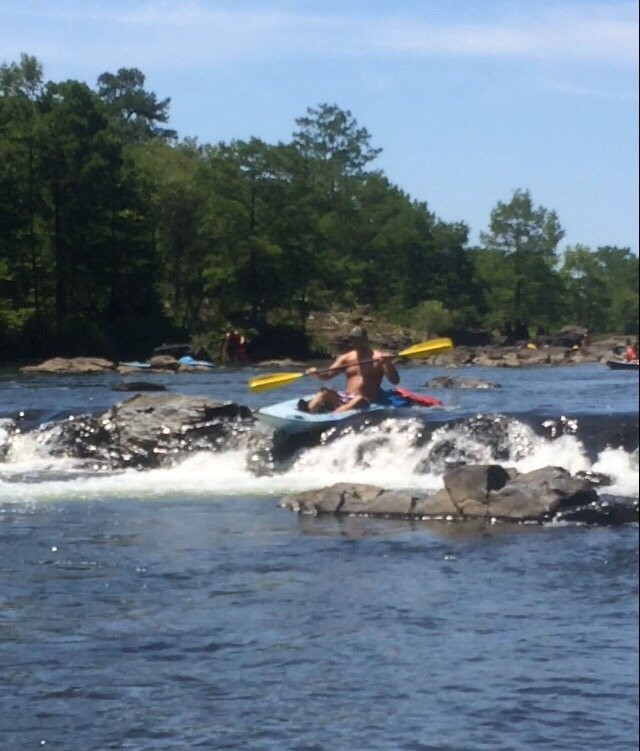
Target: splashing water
<point>392,454</point>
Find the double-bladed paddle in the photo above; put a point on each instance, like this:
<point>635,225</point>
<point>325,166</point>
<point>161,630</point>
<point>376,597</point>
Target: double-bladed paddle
<point>275,380</point>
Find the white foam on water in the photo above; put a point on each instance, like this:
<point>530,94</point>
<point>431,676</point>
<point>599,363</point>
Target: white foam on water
<point>28,452</point>
<point>384,455</point>
<point>622,467</point>
<point>565,451</point>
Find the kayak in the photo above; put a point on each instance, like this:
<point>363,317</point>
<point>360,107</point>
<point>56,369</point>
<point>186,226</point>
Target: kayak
<point>622,364</point>
<point>287,418</point>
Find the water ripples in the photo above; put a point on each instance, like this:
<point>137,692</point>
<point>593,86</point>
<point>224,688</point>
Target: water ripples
<point>241,626</point>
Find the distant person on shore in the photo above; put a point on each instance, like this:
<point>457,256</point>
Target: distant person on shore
<point>232,348</point>
<point>364,369</point>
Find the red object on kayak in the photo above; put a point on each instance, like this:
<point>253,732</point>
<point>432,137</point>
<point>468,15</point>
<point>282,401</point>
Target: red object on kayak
<point>423,401</point>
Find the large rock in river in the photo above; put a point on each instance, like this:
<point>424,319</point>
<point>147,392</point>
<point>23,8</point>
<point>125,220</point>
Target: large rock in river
<point>479,492</point>
<point>149,431</point>
<point>71,365</point>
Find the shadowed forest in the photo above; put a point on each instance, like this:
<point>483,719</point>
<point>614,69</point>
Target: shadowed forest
<point>116,235</point>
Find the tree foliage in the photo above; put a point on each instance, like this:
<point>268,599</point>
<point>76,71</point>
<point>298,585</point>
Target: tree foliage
<point>114,234</point>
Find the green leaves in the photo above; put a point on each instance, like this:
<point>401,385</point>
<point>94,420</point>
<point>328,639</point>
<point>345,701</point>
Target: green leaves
<point>523,240</point>
<point>113,233</point>
<point>602,287</point>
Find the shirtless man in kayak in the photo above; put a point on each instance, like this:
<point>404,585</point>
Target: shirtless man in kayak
<point>364,369</point>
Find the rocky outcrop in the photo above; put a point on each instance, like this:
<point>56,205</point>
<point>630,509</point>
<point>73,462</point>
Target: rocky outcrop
<point>471,346</point>
<point>181,350</point>
<point>486,493</point>
<point>164,362</point>
<point>71,365</point>
<point>149,431</point>
<point>328,329</point>
<point>83,365</point>
<point>494,356</point>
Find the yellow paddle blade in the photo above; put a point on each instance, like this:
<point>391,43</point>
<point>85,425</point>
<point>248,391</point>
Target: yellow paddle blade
<point>426,349</point>
<point>272,381</point>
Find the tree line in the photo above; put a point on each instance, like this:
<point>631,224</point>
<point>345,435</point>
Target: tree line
<point>116,235</point>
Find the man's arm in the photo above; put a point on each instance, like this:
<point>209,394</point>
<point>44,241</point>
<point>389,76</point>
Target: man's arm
<point>388,368</point>
<point>331,372</point>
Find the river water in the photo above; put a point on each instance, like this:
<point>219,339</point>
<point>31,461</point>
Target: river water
<point>182,608</point>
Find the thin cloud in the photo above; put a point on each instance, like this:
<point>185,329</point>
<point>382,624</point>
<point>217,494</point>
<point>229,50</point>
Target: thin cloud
<point>577,90</point>
<point>195,34</point>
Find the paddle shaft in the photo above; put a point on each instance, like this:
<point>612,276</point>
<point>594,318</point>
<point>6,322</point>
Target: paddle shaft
<point>393,358</point>
<point>276,380</point>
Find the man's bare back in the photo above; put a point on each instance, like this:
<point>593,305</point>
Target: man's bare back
<point>364,369</point>
<point>363,377</point>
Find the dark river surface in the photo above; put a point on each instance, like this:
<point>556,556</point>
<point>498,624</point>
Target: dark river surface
<point>183,608</point>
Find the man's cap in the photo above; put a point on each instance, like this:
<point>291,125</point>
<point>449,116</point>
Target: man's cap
<point>356,334</point>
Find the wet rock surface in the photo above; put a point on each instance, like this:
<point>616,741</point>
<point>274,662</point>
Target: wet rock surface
<point>71,365</point>
<point>149,431</point>
<point>164,362</point>
<point>487,493</point>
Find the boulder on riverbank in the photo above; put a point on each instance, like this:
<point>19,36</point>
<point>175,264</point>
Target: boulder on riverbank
<point>494,356</point>
<point>164,363</point>
<point>486,493</point>
<point>471,347</point>
<point>71,365</point>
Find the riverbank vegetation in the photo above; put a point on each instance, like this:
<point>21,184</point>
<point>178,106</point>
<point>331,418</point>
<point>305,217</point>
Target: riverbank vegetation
<point>116,235</point>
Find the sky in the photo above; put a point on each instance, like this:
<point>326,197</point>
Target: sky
<point>469,100</point>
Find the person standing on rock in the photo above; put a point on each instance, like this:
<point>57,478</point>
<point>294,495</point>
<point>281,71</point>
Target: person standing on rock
<point>364,369</point>
<point>630,352</point>
<point>232,347</point>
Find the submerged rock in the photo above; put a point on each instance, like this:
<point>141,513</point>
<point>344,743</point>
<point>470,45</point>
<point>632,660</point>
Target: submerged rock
<point>486,493</point>
<point>449,382</point>
<point>138,386</point>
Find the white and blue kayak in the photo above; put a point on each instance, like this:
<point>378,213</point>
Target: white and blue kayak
<point>287,418</point>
